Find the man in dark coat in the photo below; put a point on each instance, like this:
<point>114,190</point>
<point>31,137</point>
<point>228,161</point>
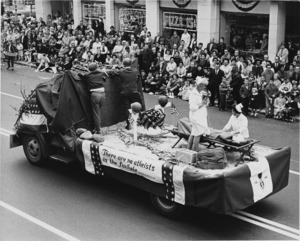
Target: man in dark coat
<point>81,27</point>
<point>276,65</point>
<point>211,46</point>
<point>129,87</point>
<point>214,83</point>
<point>175,39</point>
<point>292,51</point>
<point>24,40</point>
<point>146,57</point>
<point>95,85</point>
<point>245,92</point>
<point>235,84</point>
<point>157,38</point>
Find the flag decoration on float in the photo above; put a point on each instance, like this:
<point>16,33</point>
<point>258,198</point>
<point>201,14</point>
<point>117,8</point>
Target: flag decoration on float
<point>219,191</point>
<point>32,120</point>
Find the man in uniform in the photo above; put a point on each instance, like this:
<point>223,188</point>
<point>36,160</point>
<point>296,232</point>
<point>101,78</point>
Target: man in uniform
<point>129,87</point>
<point>94,81</point>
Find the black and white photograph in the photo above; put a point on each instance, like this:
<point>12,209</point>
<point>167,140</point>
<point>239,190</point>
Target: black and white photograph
<point>149,120</point>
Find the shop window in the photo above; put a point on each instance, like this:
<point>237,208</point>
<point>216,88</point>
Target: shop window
<point>173,21</point>
<point>92,12</point>
<point>246,32</point>
<point>132,19</point>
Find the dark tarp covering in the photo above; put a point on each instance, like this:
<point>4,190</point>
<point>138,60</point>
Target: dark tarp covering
<point>65,101</point>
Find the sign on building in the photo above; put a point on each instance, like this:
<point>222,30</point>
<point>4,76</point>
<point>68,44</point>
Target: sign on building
<point>29,2</point>
<point>130,18</point>
<point>93,11</point>
<point>180,21</point>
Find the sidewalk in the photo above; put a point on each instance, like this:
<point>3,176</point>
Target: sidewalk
<point>31,65</point>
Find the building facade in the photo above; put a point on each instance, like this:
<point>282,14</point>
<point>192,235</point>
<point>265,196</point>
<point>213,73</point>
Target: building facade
<point>278,21</point>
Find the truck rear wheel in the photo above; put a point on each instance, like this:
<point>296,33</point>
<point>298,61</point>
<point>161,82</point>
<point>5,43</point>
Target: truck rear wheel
<point>165,207</point>
<point>35,150</point>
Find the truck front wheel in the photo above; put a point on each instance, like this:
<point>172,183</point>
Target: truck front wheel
<point>165,207</point>
<point>35,150</point>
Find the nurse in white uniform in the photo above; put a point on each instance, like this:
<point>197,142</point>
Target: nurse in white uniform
<point>238,123</point>
<point>198,102</point>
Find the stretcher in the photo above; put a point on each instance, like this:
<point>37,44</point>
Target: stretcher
<point>183,131</point>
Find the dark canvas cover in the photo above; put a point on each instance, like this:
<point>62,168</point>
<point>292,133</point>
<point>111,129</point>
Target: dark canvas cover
<point>65,102</point>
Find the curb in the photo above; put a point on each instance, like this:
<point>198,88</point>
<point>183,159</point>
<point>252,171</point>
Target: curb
<point>25,64</point>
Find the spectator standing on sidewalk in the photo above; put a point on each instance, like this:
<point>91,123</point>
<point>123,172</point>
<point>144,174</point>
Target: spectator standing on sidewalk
<point>10,52</point>
<point>268,73</point>
<point>245,93</point>
<point>223,89</point>
<point>283,54</point>
<point>214,82</point>
<point>271,92</point>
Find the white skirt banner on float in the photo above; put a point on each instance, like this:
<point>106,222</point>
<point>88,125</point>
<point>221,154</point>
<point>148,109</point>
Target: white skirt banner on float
<point>221,191</point>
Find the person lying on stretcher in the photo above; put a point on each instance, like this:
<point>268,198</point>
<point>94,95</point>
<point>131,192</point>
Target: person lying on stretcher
<point>238,123</point>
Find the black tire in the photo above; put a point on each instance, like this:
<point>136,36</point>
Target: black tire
<point>35,150</point>
<point>167,208</point>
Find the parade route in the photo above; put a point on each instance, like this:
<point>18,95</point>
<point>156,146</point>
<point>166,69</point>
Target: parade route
<point>62,203</point>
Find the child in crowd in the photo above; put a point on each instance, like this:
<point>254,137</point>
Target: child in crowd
<point>44,62</point>
<point>185,91</point>
<point>279,106</point>
<point>254,98</point>
<point>223,90</point>
<point>286,87</point>
<point>152,68</point>
<point>157,85</point>
<point>149,82</point>
<point>107,60</point>
<point>261,92</point>
<point>20,51</point>
<point>173,86</point>
<point>295,91</point>
<point>290,108</point>
<point>164,83</point>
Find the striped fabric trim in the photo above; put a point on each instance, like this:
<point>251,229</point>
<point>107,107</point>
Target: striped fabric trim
<point>178,184</point>
<point>86,149</point>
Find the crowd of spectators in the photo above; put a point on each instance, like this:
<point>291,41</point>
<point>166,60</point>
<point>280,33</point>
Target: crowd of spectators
<point>167,66</point>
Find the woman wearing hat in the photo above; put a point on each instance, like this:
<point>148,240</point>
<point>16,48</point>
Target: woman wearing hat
<point>238,123</point>
<point>198,102</point>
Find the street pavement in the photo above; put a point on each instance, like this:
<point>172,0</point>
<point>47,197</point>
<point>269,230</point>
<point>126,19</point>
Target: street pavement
<point>61,202</point>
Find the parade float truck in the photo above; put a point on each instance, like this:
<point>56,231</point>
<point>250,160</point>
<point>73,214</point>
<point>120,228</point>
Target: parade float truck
<point>54,124</point>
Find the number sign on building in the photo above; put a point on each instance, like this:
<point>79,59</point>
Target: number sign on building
<point>180,21</point>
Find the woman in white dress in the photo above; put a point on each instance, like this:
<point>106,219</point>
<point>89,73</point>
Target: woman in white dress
<point>198,102</point>
<point>238,123</point>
